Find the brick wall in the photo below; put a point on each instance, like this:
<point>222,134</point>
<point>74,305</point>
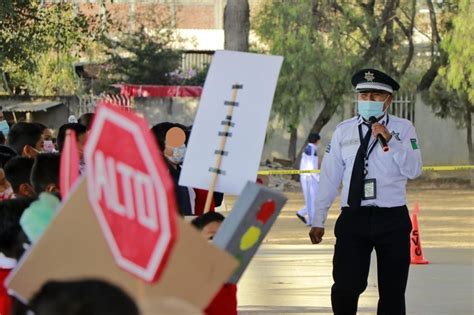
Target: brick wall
<point>186,14</point>
<point>195,16</point>
<point>192,15</point>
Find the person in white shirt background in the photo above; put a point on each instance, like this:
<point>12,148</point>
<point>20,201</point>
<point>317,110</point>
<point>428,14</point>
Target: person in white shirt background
<point>373,197</point>
<point>309,181</point>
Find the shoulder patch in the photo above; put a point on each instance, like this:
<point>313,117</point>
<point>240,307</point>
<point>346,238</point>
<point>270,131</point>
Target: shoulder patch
<point>414,145</point>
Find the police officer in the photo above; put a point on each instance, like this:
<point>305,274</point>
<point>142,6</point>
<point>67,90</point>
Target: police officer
<point>309,181</point>
<point>373,198</point>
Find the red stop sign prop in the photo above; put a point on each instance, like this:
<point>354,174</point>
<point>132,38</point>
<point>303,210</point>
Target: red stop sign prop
<point>130,191</point>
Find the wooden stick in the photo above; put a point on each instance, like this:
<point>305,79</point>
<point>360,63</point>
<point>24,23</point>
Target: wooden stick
<point>217,165</point>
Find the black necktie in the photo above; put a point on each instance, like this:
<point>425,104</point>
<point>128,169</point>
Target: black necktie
<point>357,177</point>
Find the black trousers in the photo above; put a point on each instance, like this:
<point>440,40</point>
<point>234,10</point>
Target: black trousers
<point>358,232</point>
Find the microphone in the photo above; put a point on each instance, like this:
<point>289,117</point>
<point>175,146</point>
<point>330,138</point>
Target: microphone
<point>381,140</point>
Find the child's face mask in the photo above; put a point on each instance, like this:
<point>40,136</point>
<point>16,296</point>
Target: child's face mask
<point>6,194</point>
<point>48,146</point>
<point>178,154</point>
<point>4,127</point>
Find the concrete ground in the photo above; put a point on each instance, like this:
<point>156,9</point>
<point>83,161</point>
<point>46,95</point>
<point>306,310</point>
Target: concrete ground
<point>291,276</point>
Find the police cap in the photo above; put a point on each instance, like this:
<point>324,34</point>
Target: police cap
<point>373,80</point>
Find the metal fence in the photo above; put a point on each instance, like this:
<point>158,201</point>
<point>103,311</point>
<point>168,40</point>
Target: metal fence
<point>404,106</point>
<point>87,103</point>
<point>196,59</point>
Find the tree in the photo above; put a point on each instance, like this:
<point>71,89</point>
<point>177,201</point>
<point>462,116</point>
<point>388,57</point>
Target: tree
<point>459,45</point>
<point>143,57</point>
<point>325,42</point>
<point>237,25</point>
<point>53,75</point>
<point>30,30</point>
<point>288,30</point>
<point>452,94</point>
<point>440,20</point>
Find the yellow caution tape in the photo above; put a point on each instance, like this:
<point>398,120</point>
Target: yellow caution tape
<point>286,172</point>
<point>425,168</point>
<point>449,168</point>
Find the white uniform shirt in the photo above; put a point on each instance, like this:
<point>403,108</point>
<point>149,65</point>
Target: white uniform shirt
<point>390,169</point>
<point>309,160</point>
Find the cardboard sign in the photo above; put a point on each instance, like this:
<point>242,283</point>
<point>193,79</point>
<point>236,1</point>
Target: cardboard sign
<point>74,247</point>
<point>131,191</point>
<point>246,83</point>
<point>244,229</point>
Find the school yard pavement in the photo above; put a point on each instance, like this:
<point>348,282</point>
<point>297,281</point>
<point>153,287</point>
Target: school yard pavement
<point>291,276</point>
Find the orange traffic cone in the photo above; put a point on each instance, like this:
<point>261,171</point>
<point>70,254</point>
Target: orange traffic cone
<point>416,253</point>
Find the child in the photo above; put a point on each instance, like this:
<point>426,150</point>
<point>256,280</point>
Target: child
<point>225,301</point>
<point>82,297</point>
<point>208,224</point>
<point>45,173</point>
<point>81,136</point>
<point>6,191</point>
<point>17,172</point>
<point>172,140</point>
<point>26,139</point>
<point>45,181</point>
<point>80,131</point>
<point>86,120</point>
<point>309,181</point>
<point>12,240</point>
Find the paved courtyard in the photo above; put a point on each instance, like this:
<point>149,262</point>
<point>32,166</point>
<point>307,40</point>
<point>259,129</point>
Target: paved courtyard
<point>291,276</point>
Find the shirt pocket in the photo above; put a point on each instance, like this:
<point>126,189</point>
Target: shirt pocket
<point>349,152</point>
<point>382,163</point>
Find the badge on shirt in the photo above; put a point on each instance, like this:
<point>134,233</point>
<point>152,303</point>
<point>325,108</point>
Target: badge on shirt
<point>396,135</point>
<point>328,149</point>
<point>370,189</point>
<point>414,145</point>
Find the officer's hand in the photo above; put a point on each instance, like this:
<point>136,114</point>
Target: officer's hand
<point>316,235</point>
<point>379,129</point>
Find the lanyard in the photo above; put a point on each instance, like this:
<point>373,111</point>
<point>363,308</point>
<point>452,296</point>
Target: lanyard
<point>370,147</point>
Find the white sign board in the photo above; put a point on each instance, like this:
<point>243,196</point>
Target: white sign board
<point>246,82</point>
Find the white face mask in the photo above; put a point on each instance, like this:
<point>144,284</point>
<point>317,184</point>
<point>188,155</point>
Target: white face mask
<point>178,154</point>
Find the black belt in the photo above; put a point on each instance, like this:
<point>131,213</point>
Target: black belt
<point>375,209</point>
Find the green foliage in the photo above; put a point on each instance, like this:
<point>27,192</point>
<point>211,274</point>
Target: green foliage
<point>324,42</point>
<point>312,66</point>
<point>199,77</point>
<point>30,32</point>
<point>459,45</point>
<point>19,32</point>
<point>143,57</point>
<point>452,93</point>
<point>446,102</point>
<point>54,75</point>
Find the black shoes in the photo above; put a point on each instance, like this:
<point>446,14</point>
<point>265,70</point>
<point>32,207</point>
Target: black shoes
<point>301,217</point>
